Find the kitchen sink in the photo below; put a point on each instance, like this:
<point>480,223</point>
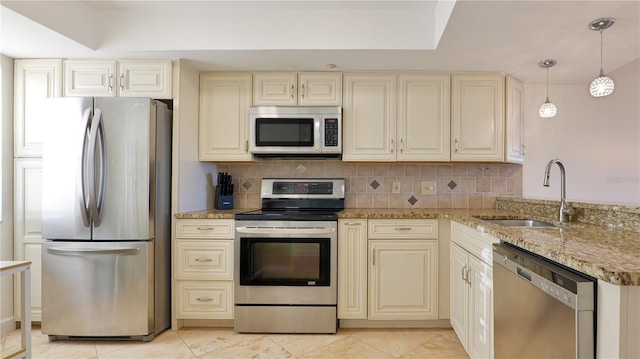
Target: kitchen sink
<point>520,223</point>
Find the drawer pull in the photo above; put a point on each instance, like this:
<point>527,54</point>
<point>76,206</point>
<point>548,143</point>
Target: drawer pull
<point>204,260</point>
<point>206,299</point>
<point>403,228</point>
<point>353,224</point>
<point>205,228</point>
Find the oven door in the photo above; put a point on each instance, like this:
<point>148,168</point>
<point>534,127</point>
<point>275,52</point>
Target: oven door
<point>286,262</point>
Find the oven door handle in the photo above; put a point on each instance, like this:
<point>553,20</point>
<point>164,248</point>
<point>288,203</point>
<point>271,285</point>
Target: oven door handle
<point>285,230</point>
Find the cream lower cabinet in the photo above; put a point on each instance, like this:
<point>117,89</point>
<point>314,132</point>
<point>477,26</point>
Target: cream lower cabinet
<point>203,269</point>
<point>388,269</point>
<point>471,306</point>
<point>225,99</point>
<point>28,229</point>
<point>352,269</point>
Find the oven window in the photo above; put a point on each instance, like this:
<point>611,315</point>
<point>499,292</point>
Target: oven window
<point>288,132</point>
<point>291,261</point>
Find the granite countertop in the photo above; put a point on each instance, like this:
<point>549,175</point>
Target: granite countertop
<point>611,255</point>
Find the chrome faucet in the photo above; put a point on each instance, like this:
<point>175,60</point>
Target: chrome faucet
<point>565,211</point>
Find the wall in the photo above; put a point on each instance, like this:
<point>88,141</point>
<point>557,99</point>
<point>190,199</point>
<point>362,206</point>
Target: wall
<point>597,139</point>
<point>368,185</point>
<point>6,224</point>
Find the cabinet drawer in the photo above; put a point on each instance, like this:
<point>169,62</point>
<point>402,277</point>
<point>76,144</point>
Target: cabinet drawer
<point>205,228</point>
<point>403,228</point>
<point>475,242</point>
<point>198,259</point>
<point>204,300</point>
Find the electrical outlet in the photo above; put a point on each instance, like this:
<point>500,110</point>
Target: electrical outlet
<point>427,188</point>
<point>396,187</point>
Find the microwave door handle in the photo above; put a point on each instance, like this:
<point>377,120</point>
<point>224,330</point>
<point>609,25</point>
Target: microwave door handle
<point>319,136</point>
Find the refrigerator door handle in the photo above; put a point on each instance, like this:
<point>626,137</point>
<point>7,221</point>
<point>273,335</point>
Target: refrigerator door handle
<point>97,171</point>
<point>85,251</point>
<point>82,190</point>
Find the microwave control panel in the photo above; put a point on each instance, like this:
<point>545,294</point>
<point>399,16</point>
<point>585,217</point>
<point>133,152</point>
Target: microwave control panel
<point>331,132</point>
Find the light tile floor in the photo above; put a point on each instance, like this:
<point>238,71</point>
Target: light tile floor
<point>206,343</point>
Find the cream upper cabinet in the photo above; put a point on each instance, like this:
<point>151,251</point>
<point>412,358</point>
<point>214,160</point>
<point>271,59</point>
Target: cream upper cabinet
<point>27,222</point>
<point>297,89</point>
<point>471,289</point>
<point>514,111</point>
<point>403,269</point>
<point>369,117</point>
<point>124,78</point>
<point>34,80</point>
<point>352,269</point>
<point>423,126</point>
<point>225,100</point>
<point>416,130</point>
<point>144,78</point>
<point>477,117</point>
<point>89,78</point>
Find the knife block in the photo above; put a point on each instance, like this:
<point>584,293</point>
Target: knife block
<point>224,202</point>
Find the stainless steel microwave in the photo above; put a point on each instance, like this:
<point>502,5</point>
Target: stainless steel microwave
<point>302,131</point>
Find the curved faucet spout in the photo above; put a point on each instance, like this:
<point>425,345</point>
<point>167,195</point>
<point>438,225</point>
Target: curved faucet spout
<point>565,211</point>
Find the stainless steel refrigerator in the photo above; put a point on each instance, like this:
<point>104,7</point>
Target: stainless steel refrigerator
<point>106,218</point>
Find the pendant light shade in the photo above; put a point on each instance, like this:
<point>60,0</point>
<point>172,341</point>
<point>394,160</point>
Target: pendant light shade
<point>602,85</point>
<point>547,109</point>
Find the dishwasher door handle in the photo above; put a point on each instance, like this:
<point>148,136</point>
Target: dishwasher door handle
<point>524,273</point>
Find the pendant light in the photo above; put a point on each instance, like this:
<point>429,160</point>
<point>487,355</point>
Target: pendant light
<point>547,109</point>
<point>602,85</point>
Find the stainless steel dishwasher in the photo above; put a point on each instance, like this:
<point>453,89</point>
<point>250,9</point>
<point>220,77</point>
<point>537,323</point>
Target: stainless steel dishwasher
<point>541,310</point>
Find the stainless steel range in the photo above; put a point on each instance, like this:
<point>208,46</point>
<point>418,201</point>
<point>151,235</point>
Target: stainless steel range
<point>286,258</point>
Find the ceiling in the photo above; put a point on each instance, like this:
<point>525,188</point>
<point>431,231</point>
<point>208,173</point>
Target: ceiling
<point>442,36</point>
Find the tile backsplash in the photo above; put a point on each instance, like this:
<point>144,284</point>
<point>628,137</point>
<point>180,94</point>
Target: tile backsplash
<point>369,185</point>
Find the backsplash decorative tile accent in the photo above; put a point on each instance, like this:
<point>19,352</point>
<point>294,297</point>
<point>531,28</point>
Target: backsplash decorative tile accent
<point>369,185</point>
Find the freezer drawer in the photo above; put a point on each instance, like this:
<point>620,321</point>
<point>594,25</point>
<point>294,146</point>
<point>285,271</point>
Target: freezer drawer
<point>102,289</point>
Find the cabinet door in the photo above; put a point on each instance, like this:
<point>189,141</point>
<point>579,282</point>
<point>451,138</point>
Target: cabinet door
<point>28,229</point>
<point>34,80</point>
<point>320,89</point>
<point>144,78</point>
<point>459,293</point>
<point>477,118</point>
<point>352,269</point>
<point>403,280</point>
<point>225,99</point>
<point>480,309</point>
<point>89,78</point>
<point>514,121</point>
<point>423,118</point>
<point>275,89</point>
<point>369,117</point>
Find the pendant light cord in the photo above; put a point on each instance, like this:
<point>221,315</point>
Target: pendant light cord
<point>601,51</point>
<point>547,84</point>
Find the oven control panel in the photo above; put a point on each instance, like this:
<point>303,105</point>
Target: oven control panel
<point>303,188</point>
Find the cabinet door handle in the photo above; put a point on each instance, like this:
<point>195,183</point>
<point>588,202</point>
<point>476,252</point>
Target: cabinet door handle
<point>392,147</point>
<point>374,258</point>
<point>469,276</point>
<point>524,150</point>
<point>292,91</point>
<point>110,82</point>
<point>302,92</point>
<point>401,146</point>
<point>402,228</point>
<point>246,146</point>
<point>204,260</point>
<point>205,299</point>
<point>464,273</point>
<point>205,228</point>
<point>455,149</point>
<point>122,81</point>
